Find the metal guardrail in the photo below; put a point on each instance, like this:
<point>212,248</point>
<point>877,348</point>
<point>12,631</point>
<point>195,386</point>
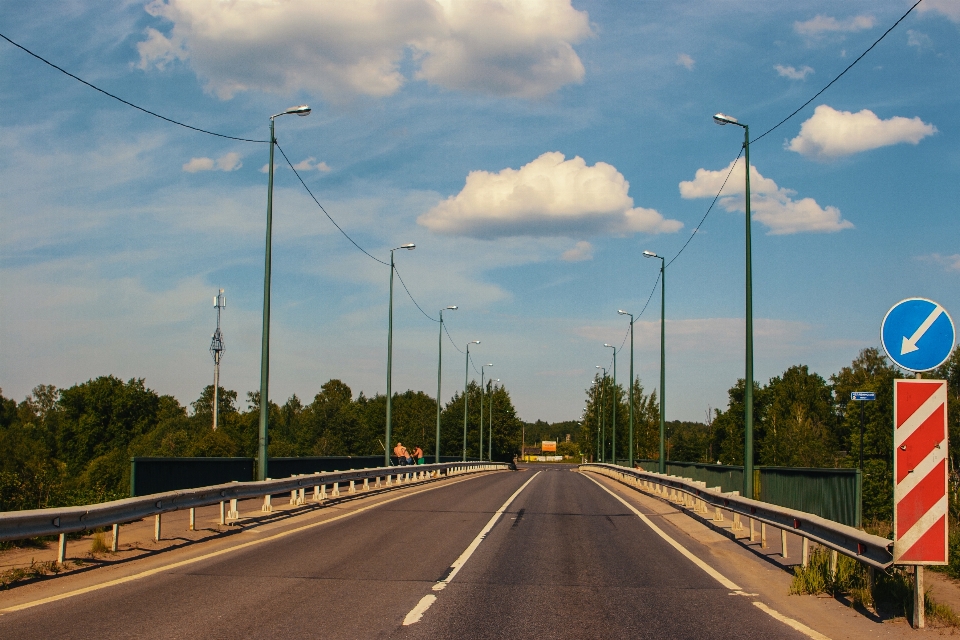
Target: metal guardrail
<point>867,548</point>
<point>18,525</point>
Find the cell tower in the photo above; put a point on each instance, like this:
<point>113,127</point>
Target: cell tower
<point>216,350</point>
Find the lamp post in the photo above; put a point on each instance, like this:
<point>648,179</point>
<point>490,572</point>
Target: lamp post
<point>614,422</point>
<point>466,379</point>
<point>439,362</point>
<point>389,426</point>
<point>630,440</point>
<point>481,407</point>
<point>722,119</point>
<point>662,466</point>
<point>603,426</point>
<point>302,110</point>
<point>596,399</point>
<point>490,439</point>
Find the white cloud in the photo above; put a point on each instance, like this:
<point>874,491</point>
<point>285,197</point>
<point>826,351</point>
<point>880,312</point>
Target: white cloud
<point>831,134</point>
<point>346,49</point>
<point>581,251</point>
<point>308,164</point>
<point>227,162</point>
<point>685,61</point>
<point>198,164</point>
<point>771,205</point>
<point>819,25</point>
<point>550,196</point>
<point>948,8</point>
<point>918,39</point>
<point>950,263</point>
<point>792,73</point>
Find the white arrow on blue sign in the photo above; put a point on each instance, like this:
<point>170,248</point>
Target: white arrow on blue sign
<point>863,395</point>
<point>917,334</point>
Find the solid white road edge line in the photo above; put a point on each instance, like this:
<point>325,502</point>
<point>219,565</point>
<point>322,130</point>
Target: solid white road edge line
<point>713,573</point>
<point>790,622</point>
<point>417,612</point>
<point>183,563</point>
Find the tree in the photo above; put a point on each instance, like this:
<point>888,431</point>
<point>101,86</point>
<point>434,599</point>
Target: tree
<point>798,426</point>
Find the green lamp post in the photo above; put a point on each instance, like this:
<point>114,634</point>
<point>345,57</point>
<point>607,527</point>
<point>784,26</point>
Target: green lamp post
<point>481,406</point>
<point>302,110</point>
<point>613,437</point>
<point>389,425</point>
<point>722,119</point>
<point>466,398</point>
<point>662,466</point>
<point>436,457</point>
<point>630,439</point>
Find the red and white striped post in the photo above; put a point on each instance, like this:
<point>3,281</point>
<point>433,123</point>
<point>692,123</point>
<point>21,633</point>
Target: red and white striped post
<point>920,479</point>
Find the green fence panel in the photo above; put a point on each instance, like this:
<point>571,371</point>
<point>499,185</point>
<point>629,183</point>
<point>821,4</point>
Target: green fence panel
<point>727,477</point>
<point>833,494</point>
<point>156,475</point>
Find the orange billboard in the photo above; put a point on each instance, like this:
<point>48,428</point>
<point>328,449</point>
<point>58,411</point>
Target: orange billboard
<point>548,445</point>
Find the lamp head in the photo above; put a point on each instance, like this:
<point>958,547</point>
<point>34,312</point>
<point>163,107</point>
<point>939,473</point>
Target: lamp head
<point>607,345</point>
<point>622,312</point>
<point>722,119</point>
<point>301,110</point>
<point>474,342</point>
<point>650,254</point>
<point>409,245</point>
<point>452,307</point>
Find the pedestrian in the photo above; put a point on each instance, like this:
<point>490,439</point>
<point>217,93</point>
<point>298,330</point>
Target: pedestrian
<point>418,454</point>
<point>401,452</point>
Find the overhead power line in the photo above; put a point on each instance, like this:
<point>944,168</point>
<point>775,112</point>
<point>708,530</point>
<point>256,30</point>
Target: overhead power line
<point>127,102</point>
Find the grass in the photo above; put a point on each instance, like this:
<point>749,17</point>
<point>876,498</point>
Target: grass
<point>98,544</point>
<point>890,597</point>
<point>35,570</point>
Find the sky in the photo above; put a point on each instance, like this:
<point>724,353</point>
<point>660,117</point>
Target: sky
<point>531,149</point>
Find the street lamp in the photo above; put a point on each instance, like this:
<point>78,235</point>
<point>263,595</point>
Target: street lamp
<point>603,426</point>
<point>490,439</point>
<point>481,407</point>
<point>439,362</point>
<point>630,441</point>
<point>614,429</point>
<point>386,449</point>
<point>722,119</point>
<point>301,110</point>
<point>466,378</point>
<point>662,465</point>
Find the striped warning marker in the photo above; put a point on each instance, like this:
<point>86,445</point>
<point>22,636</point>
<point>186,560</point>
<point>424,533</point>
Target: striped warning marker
<point>920,472</point>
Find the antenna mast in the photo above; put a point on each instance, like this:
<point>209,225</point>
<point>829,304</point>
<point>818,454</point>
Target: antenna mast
<point>216,350</point>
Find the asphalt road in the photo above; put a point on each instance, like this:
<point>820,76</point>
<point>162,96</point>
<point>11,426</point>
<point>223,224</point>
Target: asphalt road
<point>565,560</point>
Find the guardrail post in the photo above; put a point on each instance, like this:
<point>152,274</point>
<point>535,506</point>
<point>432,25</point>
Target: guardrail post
<point>115,545</point>
<point>323,492</point>
<point>353,488</point>
<point>389,483</point>
<point>805,557</point>
<point>753,532</point>
<point>763,535</point>
<point>266,508</point>
<point>316,493</point>
<point>193,519</point>
<point>156,528</point>
<point>62,549</point>
<point>234,512</point>
<point>302,497</point>
<point>718,517</point>
<point>376,485</point>
<point>783,543</point>
<point>366,484</point>
<point>293,497</point>
<point>336,490</point>
<point>833,564</point>
<point>223,514</point>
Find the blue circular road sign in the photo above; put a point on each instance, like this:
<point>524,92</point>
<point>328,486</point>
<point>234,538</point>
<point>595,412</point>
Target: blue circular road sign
<point>917,334</point>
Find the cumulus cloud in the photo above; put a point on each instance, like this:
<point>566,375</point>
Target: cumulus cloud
<point>950,263</point>
<point>309,164</point>
<point>227,162</point>
<point>346,49</point>
<point>772,206</point>
<point>948,8</point>
<point>581,251</point>
<point>792,73</point>
<point>685,61</point>
<point>820,25</point>
<point>551,196</point>
<point>832,134</point>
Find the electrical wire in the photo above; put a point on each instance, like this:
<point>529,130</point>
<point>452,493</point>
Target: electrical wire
<point>411,296</point>
<point>345,235</point>
<point>127,102</point>
<point>800,108</point>
<point>446,331</point>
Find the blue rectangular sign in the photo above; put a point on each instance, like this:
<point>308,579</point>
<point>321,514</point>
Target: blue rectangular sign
<point>863,395</point>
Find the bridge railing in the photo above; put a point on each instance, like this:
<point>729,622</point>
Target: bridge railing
<point>20,525</point>
<point>697,497</point>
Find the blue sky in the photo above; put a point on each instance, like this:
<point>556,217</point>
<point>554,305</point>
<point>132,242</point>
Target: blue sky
<point>531,150</point>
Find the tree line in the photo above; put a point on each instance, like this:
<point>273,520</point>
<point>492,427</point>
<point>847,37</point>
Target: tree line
<point>73,446</point>
<point>800,420</point>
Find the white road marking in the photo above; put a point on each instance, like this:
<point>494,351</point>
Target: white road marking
<point>713,573</point>
<point>417,612</point>
<point>183,563</point>
<point>790,622</point>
